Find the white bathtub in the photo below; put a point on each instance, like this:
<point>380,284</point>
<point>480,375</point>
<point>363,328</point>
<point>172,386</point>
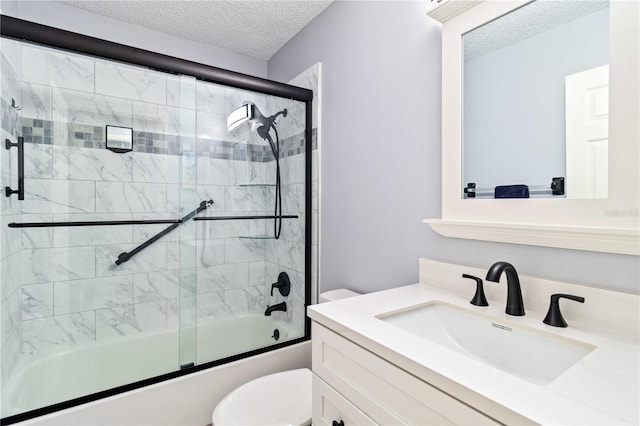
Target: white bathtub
<point>90,368</point>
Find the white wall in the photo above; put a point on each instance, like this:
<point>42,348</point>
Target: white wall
<point>68,18</point>
<point>381,170</point>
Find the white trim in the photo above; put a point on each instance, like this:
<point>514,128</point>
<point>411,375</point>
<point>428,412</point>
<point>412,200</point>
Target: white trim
<point>577,220</point>
<point>610,240</point>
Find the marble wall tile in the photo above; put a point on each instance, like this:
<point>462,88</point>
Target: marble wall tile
<point>307,79</point>
<point>130,82</point>
<point>293,199</point>
<point>37,301</point>
<point>173,90</point>
<point>11,237</point>
<point>36,101</point>
<point>9,316</point>
<point>153,258</point>
<point>188,282</point>
<point>92,235</point>
<point>12,53</point>
<point>188,92</point>
<point>11,275</point>
<point>212,125</point>
<point>188,168</point>
<point>212,306</point>
<point>131,319</point>
<point>87,108</point>
<point>58,196</point>
<point>209,252</point>
<point>210,97</point>
<point>142,233</point>
<point>53,333</point>
<point>243,250</point>
<point>156,286</point>
<point>57,68</point>
<point>248,299</point>
<point>213,171</point>
<point>38,161</point>
<point>222,277</point>
<point>245,199</point>
<point>90,294</point>
<point>73,163</point>
<point>258,274</point>
<point>292,169</point>
<point>221,228</point>
<point>10,355</point>
<point>57,264</point>
<point>211,192</point>
<point>293,229</point>
<point>156,168</point>
<point>153,118</point>
<point>315,197</point>
<point>114,197</point>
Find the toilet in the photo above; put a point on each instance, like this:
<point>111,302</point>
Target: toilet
<point>282,398</point>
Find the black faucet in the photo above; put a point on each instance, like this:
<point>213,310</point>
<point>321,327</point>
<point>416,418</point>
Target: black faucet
<point>515,305</point>
<point>282,306</point>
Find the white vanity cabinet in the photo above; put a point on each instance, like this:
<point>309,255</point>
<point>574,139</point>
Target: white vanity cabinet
<point>354,386</point>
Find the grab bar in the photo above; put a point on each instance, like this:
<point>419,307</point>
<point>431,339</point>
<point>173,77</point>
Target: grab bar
<point>125,256</point>
<point>7,189</point>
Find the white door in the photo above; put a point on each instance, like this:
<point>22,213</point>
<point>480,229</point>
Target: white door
<point>587,133</point>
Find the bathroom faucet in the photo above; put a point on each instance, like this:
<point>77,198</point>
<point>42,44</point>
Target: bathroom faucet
<point>515,305</point>
<point>282,306</point>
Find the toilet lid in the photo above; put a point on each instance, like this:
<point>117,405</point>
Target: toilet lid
<point>277,399</point>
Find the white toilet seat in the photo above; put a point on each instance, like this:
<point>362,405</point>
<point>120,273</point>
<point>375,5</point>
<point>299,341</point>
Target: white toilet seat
<point>277,399</point>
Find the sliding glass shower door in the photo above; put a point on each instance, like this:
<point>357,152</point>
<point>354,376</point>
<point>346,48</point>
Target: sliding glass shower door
<point>148,239</point>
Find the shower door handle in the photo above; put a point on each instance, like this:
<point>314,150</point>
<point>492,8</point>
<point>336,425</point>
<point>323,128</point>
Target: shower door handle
<point>20,191</point>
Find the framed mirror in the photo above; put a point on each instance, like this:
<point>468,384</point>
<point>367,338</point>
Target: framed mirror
<point>507,120</point>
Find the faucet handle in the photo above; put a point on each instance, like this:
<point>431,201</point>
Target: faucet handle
<point>283,284</point>
<point>554,316</point>
<point>478,298</point>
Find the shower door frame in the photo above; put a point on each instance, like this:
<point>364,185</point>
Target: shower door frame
<point>30,32</point>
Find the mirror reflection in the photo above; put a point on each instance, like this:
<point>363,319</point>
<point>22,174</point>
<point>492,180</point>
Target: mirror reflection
<point>535,101</point>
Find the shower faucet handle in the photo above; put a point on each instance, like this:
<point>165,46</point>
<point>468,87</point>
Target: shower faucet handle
<point>283,284</point>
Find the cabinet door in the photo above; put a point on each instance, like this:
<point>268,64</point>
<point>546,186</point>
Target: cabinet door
<point>386,393</point>
<point>332,409</point>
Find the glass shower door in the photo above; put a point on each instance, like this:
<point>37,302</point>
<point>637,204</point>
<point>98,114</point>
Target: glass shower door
<point>96,264</point>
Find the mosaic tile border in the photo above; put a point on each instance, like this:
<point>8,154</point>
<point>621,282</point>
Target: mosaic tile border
<point>87,136</point>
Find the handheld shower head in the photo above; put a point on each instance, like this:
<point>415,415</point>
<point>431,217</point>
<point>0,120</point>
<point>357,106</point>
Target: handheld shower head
<point>250,113</point>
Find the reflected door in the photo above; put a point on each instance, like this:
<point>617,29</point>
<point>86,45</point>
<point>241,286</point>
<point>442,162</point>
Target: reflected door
<point>587,121</point>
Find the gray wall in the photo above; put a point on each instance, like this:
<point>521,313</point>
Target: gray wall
<point>381,155</point>
<point>514,102</point>
<point>68,18</point>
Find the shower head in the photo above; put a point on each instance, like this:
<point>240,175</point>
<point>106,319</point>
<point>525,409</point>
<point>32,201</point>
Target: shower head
<point>250,113</point>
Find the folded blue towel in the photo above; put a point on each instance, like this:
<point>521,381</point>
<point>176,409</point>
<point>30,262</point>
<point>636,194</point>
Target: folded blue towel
<point>511,191</point>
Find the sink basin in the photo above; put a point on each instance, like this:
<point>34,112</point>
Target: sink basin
<point>531,354</point>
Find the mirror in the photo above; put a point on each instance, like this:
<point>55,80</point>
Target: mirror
<point>536,101</point>
<point>608,224</point>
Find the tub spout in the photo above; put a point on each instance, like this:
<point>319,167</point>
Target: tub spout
<point>282,306</point>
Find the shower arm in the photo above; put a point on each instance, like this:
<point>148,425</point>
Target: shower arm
<point>125,256</point>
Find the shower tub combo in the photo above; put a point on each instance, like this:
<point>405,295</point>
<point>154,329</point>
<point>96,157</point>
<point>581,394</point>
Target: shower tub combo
<point>155,225</point>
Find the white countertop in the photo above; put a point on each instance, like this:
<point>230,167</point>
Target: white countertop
<point>602,388</point>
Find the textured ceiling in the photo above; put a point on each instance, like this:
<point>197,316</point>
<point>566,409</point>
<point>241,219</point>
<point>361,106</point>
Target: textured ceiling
<point>254,28</point>
<point>531,19</point>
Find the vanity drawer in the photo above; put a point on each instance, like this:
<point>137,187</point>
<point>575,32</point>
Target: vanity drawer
<point>386,393</point>
<point>330,406</point>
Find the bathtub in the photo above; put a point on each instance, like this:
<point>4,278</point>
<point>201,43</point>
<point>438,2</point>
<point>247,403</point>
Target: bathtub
<point>90,368</point>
